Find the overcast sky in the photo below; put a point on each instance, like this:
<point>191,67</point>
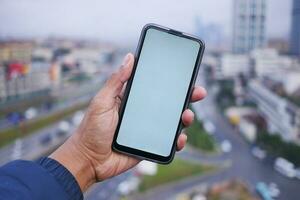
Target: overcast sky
<point>122,20</point>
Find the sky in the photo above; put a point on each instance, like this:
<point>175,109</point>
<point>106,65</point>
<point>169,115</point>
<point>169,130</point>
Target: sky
<point>122,20</point>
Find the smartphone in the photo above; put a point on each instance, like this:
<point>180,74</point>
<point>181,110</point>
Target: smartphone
<point>159,89</point>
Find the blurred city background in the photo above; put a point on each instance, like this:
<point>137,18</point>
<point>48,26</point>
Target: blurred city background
<point>245,142</point>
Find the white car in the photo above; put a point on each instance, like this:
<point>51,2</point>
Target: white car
<point>258,153</point>
<point>285,167</point>
<point>64,126</point>
<point>77,118</point>
<point>274,190</point>
<point>128,186</point>
<point>209,127</point>
<point>226,146</point>
<point>31,113</point>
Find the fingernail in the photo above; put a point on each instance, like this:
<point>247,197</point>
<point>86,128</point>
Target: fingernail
<point>126,60</point>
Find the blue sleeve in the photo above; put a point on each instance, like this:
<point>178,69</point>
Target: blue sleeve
<point>45,179</point>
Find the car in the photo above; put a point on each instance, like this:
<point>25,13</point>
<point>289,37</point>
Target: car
<point>285,167</point>
<point>31,113</point>
<point>226,146</point>
<point>258,153</point>
<point>45,139</point>
<point>64,126</point>
<point>263,190</point>
<point>77,118</point>
<point>209,127</point>
<point>128,186</point>
<point>274,190</point>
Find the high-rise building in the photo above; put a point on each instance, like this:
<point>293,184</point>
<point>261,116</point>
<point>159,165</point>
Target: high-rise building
<point>249,25</point>
<point>295,29</point>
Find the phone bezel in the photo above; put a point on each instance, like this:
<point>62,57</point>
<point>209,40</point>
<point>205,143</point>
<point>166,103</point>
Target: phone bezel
<point>139,153</point>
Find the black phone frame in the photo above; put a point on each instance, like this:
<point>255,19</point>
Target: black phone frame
<point>143,154</point>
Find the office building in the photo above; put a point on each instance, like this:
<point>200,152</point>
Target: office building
<point>249,25</point>
<point>295,29</point>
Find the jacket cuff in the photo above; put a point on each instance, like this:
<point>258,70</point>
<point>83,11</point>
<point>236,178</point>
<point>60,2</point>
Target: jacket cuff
<point>62,176</point>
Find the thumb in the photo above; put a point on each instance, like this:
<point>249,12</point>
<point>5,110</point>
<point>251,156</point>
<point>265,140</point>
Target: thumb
<point>115,83</point>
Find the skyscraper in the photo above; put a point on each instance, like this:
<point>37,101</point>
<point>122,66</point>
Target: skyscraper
<point>249,30</point>
<point>295,29</point>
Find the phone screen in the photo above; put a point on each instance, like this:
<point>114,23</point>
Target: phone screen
<point>158,92</point>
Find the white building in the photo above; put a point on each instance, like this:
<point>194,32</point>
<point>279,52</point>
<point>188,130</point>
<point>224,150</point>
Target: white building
<point>249,25</point>
<point>268,62</point>
<point>231,65</point>
<point>279,68</point>
<point>282,117</point>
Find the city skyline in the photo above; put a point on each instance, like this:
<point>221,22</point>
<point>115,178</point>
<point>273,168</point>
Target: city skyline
<point>50,18</point>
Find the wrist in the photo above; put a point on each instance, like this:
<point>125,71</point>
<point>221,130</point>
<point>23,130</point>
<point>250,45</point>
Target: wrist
<point>72,158</point>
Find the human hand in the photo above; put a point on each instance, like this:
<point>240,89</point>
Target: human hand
<point>87,154</point>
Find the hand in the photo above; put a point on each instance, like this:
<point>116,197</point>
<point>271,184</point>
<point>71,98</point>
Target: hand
<point>87,154</point>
